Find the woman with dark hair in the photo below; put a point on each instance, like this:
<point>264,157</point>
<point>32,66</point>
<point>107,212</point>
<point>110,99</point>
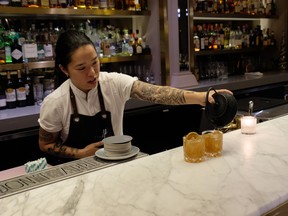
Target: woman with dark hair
<point>88,105</point>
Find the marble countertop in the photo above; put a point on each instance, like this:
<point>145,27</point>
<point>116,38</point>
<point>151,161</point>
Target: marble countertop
<point>250,178</point>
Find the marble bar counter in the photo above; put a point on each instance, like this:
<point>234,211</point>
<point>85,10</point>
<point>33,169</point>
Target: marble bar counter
<point>250,178</point>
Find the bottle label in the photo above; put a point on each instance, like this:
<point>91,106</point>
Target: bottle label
<point>106,48</point>
<point>48,49</point>
<point>8,54</point>
<point>103,4</point>
<point>27,88</point>
<point>10,95</point>
<point>139,49</point>
<point>21,93</point>
<point>30,50</point>
<point>16,54</point>
<point>3,102</point>
<point>4,3</point>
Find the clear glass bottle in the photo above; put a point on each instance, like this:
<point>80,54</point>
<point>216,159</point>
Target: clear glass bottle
<point>29,46</point>
<point>20,90</point>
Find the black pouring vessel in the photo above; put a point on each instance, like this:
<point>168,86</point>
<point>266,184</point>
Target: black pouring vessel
<point>223,111</point>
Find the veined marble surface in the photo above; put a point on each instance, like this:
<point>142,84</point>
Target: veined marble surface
<point>250,178</point>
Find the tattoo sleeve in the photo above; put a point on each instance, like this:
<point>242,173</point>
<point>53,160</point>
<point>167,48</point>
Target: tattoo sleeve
<point>157,94</point>
<point>54,145</point>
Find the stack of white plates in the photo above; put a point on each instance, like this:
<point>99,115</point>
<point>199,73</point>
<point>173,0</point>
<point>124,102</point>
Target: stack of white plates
<point>116,146</point>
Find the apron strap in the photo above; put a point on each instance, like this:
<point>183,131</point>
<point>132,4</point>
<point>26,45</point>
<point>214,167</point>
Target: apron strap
<point>74,106</point>
<point>101,100</point>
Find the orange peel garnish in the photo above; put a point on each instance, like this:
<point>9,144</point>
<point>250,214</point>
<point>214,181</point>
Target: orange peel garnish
<point>191,135</point>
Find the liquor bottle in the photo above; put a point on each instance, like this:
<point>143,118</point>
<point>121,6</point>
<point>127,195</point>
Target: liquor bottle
<point>40,43</point>
<point>95,4</point>
<point>130,4</point>
<point>20,91</point>
<point>80,4</point>
<point>44,3</point>
<point>30,101</point>
<point>273,8</point>
<point>29,48</point>
<point>138,43</point>
<point>48,47</point>
<point>201,37</point>
<point>16,51</point>
<point>16,3</point>
<point>222,36</point>
<point>111,4</point>
<point>24,3</point>
<point>244,7</point>
<point>144,5</point>
<point>71,4</point>
<point>62,3</point>
<point>226,37</point>
<point>54,4</point>
<point>2,46</point>
<point>196,40</point>
<point>7,44</point>
<point>88,4</point>
<point>106,47</point>
<point>4,3</point>
<point>103,4</point>
<point>10,92</point>
<point>33,3</point>
<point>2,94</point>
<point>272,39</point>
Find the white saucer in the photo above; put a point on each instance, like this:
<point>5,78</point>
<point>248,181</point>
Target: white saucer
<point>100,154</point>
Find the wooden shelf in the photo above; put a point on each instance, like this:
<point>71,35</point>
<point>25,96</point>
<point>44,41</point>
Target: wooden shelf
<point>68,13</point>
<point>51,64</point>
<point>215,16</point>
<point>227,51</point>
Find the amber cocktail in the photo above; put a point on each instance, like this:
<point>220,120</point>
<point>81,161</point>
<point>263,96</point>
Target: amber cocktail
<point>194,148</point>
<point>213,142</point>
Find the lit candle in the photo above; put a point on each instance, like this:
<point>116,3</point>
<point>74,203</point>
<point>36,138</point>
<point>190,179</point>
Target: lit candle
<point>248,125</point>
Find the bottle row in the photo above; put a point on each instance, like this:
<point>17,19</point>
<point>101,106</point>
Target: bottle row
<point>217,36</point>
<point>26,88</point>
<point>222,66</point>
<point>38,44</point>
<point>252,7</point>
<point>131,5</point>
<point>20,89</point>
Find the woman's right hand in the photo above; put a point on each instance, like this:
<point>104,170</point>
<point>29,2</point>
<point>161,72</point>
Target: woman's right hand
<point>90,149</point>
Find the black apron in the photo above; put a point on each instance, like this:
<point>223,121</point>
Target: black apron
<point>84,129</point>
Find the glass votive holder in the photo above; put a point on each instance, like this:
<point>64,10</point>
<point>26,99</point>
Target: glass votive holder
<point>248,124</point>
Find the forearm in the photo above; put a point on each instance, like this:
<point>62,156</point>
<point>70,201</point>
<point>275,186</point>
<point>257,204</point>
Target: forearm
<point>60,150</point>
<point>51,143</point>
<point>163,94</point>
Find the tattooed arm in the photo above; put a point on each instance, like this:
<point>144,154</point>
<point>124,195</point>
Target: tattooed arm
<point>51,144</point>
<point>169,95</point>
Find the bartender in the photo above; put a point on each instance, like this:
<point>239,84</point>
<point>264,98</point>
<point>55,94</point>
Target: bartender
<point>88,105</point>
